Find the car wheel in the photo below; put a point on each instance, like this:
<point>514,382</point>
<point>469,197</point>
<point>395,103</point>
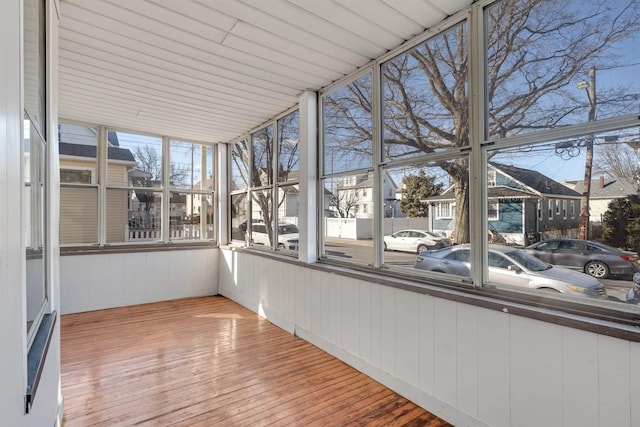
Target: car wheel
<point>422,248</point>
<point>597,269</point>
<point>385,247</point>
<point>280,245</point>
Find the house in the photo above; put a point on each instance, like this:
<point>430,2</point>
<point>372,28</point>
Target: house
<point>523,205</point>
<point>354,196</point>
<point>602,192</point>
<point>79,178</point>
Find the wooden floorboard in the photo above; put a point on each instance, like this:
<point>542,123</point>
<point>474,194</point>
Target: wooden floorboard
<point>210,362</point>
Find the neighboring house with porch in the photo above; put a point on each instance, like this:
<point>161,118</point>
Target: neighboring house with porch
<point>602,192</point>
<point>522,206</point>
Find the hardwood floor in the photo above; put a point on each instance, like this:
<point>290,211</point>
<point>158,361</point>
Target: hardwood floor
<point>210,362</point>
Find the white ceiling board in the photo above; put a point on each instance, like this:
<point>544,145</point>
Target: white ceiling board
<point>422,12</point>
<point>211,70</point>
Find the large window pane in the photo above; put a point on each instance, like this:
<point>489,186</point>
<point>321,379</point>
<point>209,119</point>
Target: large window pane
<point>261,220</point>
<point>262,144</point>
<point>134,160</point>
<point>425,104</point>
<point>414,199</point>
<point>240,166</point>
<point>288,203</point>
<point>34,63</point>
<point>536,200</point>
<point>133,215</point>
<point>78,215</point>
<point>347,126</point>
<point>190,215</point>
<point>555,63</point>
<point>191,165</point>
<point>35,219</point>
<point>239,215</point>
<point>288,144</point>
<point>348,218</point>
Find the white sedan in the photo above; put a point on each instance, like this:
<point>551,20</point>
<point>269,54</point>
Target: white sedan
<point>414,241</point>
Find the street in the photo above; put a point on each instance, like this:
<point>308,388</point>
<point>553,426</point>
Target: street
<point>362,250</point>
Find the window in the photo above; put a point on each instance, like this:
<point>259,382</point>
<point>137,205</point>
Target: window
<point>34,157</point>
<point>148,197</point>
<point>264,200</point>
<point>491,178</point>
<point>347,161</point>
<point>443,210</point>
<point>492,210</point>
<point>542,126</point>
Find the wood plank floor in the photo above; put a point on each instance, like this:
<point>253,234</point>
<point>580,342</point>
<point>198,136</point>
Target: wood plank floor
<point>211,362</point>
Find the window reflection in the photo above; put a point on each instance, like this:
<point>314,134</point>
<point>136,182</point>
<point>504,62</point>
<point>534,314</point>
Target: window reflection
<point>425,105</point>
<point>347,125</point>
<point>552,64</point>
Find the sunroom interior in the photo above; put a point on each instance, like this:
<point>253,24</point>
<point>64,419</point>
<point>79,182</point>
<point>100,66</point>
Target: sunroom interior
<point>370,176</point>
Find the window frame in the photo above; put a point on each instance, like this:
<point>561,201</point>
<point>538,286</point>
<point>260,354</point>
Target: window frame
<point>478,162</point>
<point>104,188</point>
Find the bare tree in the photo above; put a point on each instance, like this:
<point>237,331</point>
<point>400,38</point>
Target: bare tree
<point>535,51</point>
<point>343,202</point>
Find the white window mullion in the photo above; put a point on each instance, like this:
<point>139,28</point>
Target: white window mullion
<point>102,159</point>
<point>166,193</point>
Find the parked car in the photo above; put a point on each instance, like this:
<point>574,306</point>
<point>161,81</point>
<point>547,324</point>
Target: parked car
<point>595,259</point>
<point>414,241</point>
<point>515,267</point>
<point>287,235</point>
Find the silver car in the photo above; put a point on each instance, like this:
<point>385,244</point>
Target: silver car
<point>414,241</point>
<point>511,266</point>
<point>594,258</point>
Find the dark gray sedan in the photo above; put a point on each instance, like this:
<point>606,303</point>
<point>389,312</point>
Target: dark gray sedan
<point>596,259</point>
<point>512,266</point>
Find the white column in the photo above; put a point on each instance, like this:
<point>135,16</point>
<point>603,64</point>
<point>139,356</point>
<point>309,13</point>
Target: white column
<point>222,194</point>
<point>308,200</point>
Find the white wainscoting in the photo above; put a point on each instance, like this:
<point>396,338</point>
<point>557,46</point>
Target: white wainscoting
<point>97,281</point>
<point>469,365</point>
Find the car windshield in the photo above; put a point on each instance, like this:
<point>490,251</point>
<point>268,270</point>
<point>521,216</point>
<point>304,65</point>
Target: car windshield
<point>287,229</point>
<point>528,261</point>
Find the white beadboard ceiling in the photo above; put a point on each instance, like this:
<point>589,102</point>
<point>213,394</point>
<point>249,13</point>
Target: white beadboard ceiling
<point>211,70</point>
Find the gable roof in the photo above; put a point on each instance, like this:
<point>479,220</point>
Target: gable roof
<point>535,180</point>
<point>82,150</point>
<point>606,188</point>
<point>537,185</point>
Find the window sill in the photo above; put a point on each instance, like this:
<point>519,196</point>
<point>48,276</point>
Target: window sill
<point>37,357</point>
<point>130,248</point>
<point>597,319</point>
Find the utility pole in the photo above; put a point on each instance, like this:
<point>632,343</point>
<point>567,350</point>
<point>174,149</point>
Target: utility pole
<point>583,224</point>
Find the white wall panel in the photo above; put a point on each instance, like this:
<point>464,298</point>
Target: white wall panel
<point>427,343</point>
<point>580,372</point>
<point>350,315</point>
<point>634,380</point>
<point>536,373</point>
<point>387,329</point>
<point>613,367</point>
<point>407,336</point>
<point>334,312</point>
<point>494,373</point>
<point>467,360</point>
<point>445,351</point>
<point>94,282</point>
<point>470,365</point>
<point>365,321</point>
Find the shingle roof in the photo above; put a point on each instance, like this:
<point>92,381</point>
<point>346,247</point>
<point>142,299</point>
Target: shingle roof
<point>608,188</point>
<point>82,150</point>
<point>534,179</point>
